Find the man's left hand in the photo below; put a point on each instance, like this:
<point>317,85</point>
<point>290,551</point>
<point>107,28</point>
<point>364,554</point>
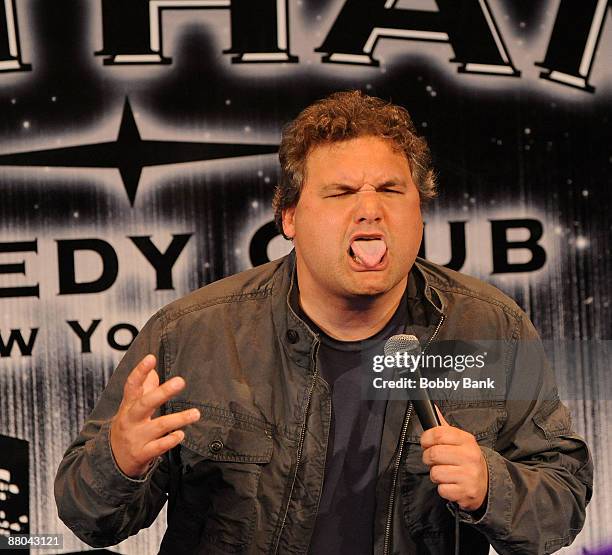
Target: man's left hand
<point>456,464</point>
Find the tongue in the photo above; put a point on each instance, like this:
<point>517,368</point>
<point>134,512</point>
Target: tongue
<point>369,253</point>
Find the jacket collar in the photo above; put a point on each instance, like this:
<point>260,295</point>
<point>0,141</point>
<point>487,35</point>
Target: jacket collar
<point>300,341</point>
<point>294,334</point>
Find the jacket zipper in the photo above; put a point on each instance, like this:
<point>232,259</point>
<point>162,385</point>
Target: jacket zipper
<point>395,473</point>
<point>324,468</point>
<point>300,444</point>
<point>387,541</point>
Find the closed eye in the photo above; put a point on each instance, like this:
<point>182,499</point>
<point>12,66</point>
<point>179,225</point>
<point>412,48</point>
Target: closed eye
<point>393,186</point>
<point>342,193</point>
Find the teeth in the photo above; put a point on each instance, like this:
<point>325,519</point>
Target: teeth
<point>354,256</point>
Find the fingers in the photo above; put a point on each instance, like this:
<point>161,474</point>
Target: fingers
<point>460,472</point>
<point>164,433</point>
<point>151,382</point>
<point>169,423</point>
<point>441,416</point>
<point>445,434</point>
<point>145,405</point>
<point>136,379</point>
<point>135,438</point>
<point>446,474</point>
<point>468,499</point>
<point>135,444</point>
<point>451,492</point>
<point>452,454</point>
<point>158,447</point>
<point>445,454</point>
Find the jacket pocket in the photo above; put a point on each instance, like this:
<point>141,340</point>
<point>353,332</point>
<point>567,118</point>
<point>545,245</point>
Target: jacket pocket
<point>222,457</point>
<point>483,419</point>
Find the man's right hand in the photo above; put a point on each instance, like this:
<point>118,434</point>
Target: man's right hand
<point>136,438</point>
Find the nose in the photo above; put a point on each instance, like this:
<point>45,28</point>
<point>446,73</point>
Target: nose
<point>368,207</point>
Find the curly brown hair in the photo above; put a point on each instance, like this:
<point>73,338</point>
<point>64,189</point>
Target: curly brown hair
<point>340,117</point>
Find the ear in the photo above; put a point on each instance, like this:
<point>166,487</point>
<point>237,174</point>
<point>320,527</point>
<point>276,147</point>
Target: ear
<point>289,222</point>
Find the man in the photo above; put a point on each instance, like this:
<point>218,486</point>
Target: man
<point>259,435</point>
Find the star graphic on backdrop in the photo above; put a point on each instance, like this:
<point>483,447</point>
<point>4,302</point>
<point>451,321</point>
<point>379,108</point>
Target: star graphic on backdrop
<point>129,153</point>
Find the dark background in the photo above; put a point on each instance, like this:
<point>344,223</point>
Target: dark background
<point>505,148</point>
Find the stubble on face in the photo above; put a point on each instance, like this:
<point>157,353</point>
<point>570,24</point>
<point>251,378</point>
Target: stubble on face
<point>357,226</point>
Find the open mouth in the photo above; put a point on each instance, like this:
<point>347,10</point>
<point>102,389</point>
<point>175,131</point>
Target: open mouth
<point>368,252</point>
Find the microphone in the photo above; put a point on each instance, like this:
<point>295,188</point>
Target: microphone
<point>423,405</point>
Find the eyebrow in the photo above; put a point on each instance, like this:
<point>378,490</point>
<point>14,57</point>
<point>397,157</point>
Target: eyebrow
<point>391,183</point>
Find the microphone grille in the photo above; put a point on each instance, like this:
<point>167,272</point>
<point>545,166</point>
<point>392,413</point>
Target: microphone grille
<point>401,343</point>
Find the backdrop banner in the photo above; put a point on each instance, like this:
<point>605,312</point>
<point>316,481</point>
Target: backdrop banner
<point>138,157</point>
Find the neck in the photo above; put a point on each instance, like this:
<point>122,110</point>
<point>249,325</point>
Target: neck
<point>351,319</point>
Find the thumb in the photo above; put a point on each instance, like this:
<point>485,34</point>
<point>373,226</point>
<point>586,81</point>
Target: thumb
<point>443,421</point>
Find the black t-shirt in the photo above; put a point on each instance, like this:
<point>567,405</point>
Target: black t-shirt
<point>345,519</point>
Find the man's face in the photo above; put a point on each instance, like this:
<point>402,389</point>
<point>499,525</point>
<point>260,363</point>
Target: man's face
<point>357,226</point>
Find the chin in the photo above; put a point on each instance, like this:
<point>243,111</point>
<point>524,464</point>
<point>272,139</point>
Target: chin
<point>376,283</point>
<point>371,289</point>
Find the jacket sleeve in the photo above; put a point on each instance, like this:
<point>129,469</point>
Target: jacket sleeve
<point>540,473</point>
<point>99,503</point>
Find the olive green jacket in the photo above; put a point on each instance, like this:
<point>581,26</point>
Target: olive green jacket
<point>248,476</point>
